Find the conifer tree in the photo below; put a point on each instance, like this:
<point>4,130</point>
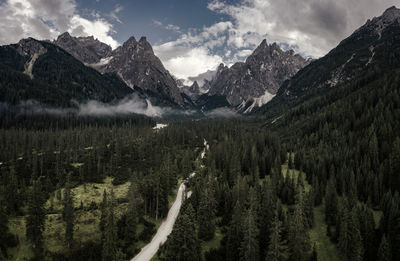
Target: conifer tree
<point>109,250</point>
<point>183,243</point>
<point>299,241</point>
<point>68,212</point>
<point>331,203</point>
<point>276,247</point>
<point>350,241</point>
<point>36,216</point>
<point>384,253</point>
<point>206,216</point>
<point>103,209</point>
<point>249,250</point>
<point>132,214</point>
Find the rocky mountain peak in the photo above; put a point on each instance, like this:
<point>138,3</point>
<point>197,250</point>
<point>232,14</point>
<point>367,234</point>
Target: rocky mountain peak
<point>145,44</point>
<point>259,76</point>
<point>138,66</point>
<point>30,46</point>
<point>130,42</point>
<point>391,14</point>
<point>378,24</point>
<point>86,49</point>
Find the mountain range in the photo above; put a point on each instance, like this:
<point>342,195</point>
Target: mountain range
<point>83,68</point>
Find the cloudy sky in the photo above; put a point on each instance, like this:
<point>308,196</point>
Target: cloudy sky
<point>193,36</point>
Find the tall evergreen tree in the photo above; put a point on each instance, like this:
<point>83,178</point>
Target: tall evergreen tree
<point>36,216</point>
<point>109,250</point>
<point>299,240</point>
<point>249,249</point>
<point>206,216</point>
<point>183,243</point>
<point>350,241</point>
<point>68,212</point>
<point>384,253</point>
<point>235,233</point>
<point>132,215</point>
<point>103,209</point>
<point>276,247</point>
<point>331,203</point>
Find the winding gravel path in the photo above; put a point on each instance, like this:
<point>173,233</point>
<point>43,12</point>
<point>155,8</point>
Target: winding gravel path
<point>167,225</point>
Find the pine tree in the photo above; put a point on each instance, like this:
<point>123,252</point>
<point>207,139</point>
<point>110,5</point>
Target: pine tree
<point>68,212</point>
<point>132,214</point>
<point>109,250</point>
<point>183,243</point>
<point>206,216</point>
<point>331,203</point>
<point>235,233</point>
<point>249,250</point>
<point>299,241</point>
<point>276,248</point>
<point>103,209</point>
<point>36,216</point>
<point>384,253</point>
<point>350,241</point>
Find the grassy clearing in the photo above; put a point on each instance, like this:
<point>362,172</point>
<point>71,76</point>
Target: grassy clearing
<point>23,251</point>
<point>88,193</point>
<point>87,220</point>
<point>213,243</point>
<point>326,250</point>
<point>294,173</point>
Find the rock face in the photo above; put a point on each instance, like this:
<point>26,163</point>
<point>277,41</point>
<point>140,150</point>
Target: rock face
<point>192,91</point>
<point>136,63</point>
<point>260,75</point>
<point>86,49</point>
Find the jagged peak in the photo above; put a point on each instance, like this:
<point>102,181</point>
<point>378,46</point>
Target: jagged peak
<point>392,11</point>
<point>143,39</point>
<point>378,24</point>
<point>131,40</point>
<point>29,40</point>
<point>65,34</point>
<point>195,84</point>
<point>221,66</point>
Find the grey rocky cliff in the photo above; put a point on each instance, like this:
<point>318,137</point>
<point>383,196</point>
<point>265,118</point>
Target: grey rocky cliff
<point>262,73</point>
<point>192,91</point>
<point>134,62</point>
<point>86,49</point>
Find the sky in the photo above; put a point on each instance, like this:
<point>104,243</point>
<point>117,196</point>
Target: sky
<point>194,36</point>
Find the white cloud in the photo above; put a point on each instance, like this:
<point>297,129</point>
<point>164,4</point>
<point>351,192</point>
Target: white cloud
<point>311,27</point>
<point>193,53</point>
<point>170,27</point>
<point>192,63</point>
<point>99,28</point>
<point>114,13</point>
<point>46,19</point>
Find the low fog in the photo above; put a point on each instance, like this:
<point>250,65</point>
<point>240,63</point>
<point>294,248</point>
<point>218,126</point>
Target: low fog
<point>129,105</point>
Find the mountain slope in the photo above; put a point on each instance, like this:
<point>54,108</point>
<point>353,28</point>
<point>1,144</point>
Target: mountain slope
<point>42,71</point>
<point>363,57</point>
<point>134,62</point>
<point>261,74</point>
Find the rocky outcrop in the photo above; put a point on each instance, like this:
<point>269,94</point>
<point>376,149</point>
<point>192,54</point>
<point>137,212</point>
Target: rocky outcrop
<point>86,49</point>
<point>262,73</point>
<point>134,62</point>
